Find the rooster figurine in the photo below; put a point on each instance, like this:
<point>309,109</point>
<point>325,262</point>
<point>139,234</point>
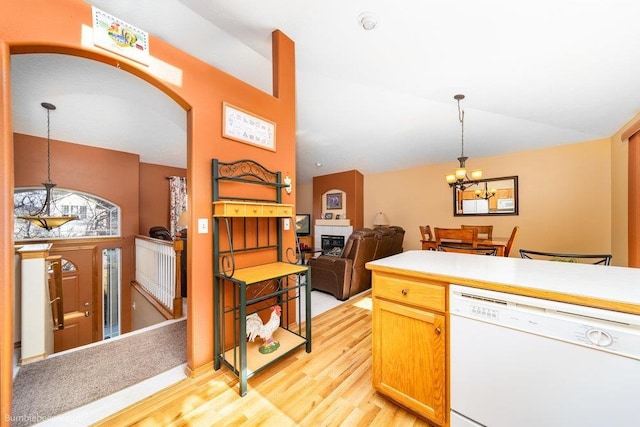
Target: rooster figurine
<point>255,328</point>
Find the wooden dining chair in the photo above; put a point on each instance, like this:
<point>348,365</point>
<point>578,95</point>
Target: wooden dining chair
<point>425,232</point>
<point>485,230</point>
<point>450,247</point>
<point>598,259</point>
<point>427,241</point>
<point>512,238</point>
<point>461,236</point>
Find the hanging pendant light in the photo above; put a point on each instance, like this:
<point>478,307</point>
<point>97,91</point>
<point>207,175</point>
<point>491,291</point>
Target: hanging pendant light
<point>43,217</point>
<point>459,178</point>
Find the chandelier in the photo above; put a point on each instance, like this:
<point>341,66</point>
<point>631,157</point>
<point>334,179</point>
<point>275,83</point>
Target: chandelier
<point>459,179</point>
<point>43,217</point>
<point>487,193</point>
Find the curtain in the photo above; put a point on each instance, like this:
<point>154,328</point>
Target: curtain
<point>177,201</point>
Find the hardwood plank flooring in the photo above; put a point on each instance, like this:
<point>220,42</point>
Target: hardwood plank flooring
<point>331,386</point>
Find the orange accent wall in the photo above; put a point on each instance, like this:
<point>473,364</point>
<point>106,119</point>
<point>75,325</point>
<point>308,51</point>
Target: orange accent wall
<point>105,173</point>
<point>27,28</point>
<point>154,195</point>
<point>352,183</point>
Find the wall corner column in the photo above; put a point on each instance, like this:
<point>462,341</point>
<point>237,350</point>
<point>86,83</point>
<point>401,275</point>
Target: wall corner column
<point>634,200</point>
<point>6,240</point>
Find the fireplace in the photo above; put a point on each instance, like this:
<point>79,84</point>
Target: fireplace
<point>331,230</point>
<point>332,245</point>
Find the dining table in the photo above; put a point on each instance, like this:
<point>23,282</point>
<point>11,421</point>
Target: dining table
<point>500,243</point>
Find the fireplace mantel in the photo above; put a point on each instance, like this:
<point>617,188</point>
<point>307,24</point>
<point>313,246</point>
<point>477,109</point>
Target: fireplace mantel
<point>334,222</point>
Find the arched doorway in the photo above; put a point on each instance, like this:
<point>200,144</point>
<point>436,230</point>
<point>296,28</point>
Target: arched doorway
<point>98,106</point>
<point>93,98</point>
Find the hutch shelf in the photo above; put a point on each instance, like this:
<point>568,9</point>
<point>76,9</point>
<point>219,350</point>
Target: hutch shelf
<point>250,275</point>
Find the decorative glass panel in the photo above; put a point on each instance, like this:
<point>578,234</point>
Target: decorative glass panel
<point>111,292</point>
<point>68,265</point>
<point>97,217</point>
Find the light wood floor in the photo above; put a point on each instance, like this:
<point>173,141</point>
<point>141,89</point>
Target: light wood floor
<point>331,386</point>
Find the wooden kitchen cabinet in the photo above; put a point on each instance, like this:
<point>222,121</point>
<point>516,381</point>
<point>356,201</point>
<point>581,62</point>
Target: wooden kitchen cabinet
<point>409,343</point>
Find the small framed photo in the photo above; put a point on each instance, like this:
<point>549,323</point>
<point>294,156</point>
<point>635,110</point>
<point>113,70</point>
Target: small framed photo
<point>338,216</point>
<point>334,201</point>
<point>328,215</point>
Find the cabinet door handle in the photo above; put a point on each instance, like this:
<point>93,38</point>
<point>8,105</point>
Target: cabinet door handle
<point>405,291</point>
<point>438,331</point>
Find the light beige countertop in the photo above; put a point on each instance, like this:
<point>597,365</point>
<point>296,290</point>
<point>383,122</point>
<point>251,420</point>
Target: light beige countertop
<point>608,287</point>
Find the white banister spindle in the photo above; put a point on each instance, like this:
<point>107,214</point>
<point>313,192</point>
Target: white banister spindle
<point>156,269</point>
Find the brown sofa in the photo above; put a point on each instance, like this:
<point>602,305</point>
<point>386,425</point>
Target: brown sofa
<point>384,246</point>
<point>346,275</point>
<point>398,239</point>
<point>390,240</point>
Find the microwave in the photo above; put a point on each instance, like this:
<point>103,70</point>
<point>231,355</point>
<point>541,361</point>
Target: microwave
<point>506,204</point>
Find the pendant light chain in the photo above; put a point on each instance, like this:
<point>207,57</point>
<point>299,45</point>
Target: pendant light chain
<point>48,106</point>
<point>47,221</point>
<point>461,118</point>
<point>48,146</point>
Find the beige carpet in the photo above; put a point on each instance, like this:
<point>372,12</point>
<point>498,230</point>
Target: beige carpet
<point>53,386</point>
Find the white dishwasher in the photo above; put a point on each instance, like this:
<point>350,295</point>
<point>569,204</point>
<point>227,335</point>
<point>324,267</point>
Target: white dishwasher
<point>526,362</point>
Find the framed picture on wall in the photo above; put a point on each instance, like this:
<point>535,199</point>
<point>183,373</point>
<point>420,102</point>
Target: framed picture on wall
<point>243,126</point>
<point>334,201</point>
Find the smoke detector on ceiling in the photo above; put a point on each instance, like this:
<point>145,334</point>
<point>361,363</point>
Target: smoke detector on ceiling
<point>368,20</point>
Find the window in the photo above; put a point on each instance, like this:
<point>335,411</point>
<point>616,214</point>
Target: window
<point>97,217</point>
<point>80,211</point>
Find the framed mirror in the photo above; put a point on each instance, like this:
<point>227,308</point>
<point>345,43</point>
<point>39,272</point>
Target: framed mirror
<point>486,197</point>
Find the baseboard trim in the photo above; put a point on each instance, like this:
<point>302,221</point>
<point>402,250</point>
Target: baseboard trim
<point>194,373</point>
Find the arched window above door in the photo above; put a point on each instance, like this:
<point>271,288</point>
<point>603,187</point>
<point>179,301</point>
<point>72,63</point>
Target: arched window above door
<point>68,265</point>
<point>97,217</point>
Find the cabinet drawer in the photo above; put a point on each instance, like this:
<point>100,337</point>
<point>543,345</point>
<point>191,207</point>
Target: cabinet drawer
<point>285,211</point>
<point>228,209</point>
<point>407,291</point>
<point>253,209</point>
<point>271,210</point>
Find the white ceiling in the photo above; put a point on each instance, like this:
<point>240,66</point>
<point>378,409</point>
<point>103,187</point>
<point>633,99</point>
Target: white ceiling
<point>534,74</point>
